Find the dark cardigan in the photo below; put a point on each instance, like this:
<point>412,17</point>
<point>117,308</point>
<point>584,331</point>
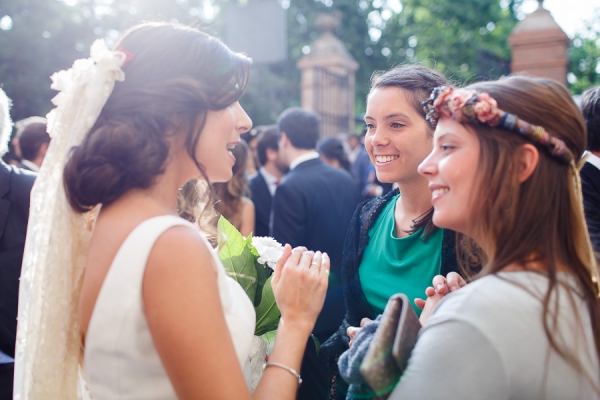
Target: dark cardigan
<point>357,306</point>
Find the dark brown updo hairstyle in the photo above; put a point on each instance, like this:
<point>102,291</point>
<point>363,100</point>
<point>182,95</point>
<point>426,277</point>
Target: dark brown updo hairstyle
<point>175,76</point>
<point>416,82</point>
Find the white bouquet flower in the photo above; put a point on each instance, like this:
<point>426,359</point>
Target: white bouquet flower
<point>269,250</point>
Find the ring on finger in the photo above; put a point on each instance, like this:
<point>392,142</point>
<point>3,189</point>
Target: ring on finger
<point>318,265</point>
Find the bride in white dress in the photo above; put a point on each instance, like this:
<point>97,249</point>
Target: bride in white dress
<point>147,302</point>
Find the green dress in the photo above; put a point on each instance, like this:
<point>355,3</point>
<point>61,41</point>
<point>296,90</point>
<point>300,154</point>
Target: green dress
<point>393,265</point>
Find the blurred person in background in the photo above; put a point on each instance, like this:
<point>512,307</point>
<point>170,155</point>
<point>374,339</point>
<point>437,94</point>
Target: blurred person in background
<point>333,152</point>
<point>15,187</point>
<point>355,144</point>
<point>312,207</point>
<point>233,201</point>
<point>590,172</point>
<point>251,139</point>
<point>31,142</point>
<point>267,178</point>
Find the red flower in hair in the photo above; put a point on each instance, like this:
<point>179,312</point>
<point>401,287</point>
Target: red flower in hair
<point>486,109</point>
<point>441,102</point>
<point>458,103</point>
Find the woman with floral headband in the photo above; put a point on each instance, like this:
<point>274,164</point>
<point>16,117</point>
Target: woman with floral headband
<point>392,245</point>
<point>131,288</point>
<point>504,171</point>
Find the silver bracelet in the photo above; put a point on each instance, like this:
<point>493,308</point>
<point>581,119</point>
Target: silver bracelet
<point>290,370</point>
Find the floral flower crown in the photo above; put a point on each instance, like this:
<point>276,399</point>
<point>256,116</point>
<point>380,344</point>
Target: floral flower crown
<point>471,107</point>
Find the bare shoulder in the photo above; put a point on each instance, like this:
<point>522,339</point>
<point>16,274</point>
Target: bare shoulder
<point>179,249</point>
<point>247,202</point>
<point>180,277</point>
<point>181,238</point>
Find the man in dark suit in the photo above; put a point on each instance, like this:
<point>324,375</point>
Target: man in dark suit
<point>267,178</point>
<point>312,207</point>
<point>31,142</point>
<point>15,187</point>
<point>590,173</point>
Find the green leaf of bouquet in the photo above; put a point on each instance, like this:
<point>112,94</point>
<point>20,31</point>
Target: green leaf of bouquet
<point>236,257</point>
<point>317,343</point>
<point>269,338</point>
<point>231,241</point>
<point>267,313</point>
<point>252,248</point>
<point>262,274</point>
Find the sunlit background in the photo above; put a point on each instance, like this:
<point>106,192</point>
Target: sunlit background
<point>465,39</point>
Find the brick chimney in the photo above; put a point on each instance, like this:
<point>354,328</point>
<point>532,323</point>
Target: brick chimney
<point>539,47</point>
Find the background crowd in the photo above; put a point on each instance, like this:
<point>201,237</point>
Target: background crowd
<point>356,208</point>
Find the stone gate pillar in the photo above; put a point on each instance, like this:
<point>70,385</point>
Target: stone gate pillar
<point>328,79</point>
<point>540,47</point>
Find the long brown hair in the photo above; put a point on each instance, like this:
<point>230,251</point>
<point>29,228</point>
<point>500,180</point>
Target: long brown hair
<point>417,82</point>
<point>176,74</point>
<point>542,218</point>
<point>230,193</point>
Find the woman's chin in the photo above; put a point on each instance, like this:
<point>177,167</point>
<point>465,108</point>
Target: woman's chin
<point>384,177</point>
<point>439,220</point>
<point>220,177</point>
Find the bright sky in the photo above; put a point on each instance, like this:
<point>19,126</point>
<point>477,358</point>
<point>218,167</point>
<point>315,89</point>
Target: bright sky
<point>568,14</point>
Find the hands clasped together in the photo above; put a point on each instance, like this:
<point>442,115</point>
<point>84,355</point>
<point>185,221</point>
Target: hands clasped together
<point>441,287</point>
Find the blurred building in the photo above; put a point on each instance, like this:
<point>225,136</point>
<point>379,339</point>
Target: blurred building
<point>328,83</point>
<point>540,47</point>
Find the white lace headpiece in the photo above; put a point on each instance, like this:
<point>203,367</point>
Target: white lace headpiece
<point>48,347</point>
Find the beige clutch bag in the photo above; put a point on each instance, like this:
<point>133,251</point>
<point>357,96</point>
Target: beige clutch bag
<point>392,344</point>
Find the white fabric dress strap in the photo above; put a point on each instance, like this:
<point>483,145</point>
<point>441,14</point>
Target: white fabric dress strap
<point>118,324</point>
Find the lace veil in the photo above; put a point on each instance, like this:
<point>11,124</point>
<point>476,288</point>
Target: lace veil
<point>48,348</point>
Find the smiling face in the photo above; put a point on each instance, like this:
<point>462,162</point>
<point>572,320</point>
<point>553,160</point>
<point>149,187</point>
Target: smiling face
<point>220,134</point>
<point>398,137</point>
<point>451,169</point>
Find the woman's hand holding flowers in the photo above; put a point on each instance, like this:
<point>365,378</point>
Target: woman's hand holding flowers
<point>299,284</point>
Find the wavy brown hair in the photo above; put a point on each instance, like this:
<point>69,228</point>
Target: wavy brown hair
<point>542,218</point>
<point>230,193</point>
<point>175,76</point>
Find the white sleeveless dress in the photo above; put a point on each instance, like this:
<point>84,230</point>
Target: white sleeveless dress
<point>120,360</point>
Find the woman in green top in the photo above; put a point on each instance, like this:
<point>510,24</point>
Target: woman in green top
<point>392,245</point>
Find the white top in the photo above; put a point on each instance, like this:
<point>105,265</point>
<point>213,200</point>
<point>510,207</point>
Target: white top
<point>120,359</point>
<point>487,341</point>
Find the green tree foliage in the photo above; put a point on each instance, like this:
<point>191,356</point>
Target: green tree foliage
<point>465,39</point>
<point>585,57</point>
<point>48,35</point>
<point>45,36</point>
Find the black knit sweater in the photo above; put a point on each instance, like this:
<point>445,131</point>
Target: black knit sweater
<point>357,306</point>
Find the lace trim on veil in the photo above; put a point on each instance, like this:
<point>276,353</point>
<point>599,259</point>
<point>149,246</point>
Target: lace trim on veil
<point>48,347</point>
